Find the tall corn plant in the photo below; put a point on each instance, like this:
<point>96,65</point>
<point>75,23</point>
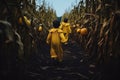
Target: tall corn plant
<point>28,33</point>
<point>101,19</point>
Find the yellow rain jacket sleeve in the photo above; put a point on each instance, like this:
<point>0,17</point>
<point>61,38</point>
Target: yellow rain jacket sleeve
<point>48,38</point>
<point>69,27</point>
<point>61,25</point>
<point>62,37</point>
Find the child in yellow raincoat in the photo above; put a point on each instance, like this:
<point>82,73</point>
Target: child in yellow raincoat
<point>54,39</point>
<point>65,26</point>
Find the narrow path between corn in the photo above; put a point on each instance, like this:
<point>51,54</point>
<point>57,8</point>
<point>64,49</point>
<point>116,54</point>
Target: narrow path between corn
<point>73,67</point>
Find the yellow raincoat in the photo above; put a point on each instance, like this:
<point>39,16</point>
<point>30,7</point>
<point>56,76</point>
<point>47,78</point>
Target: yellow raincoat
<point>55,38</point>
<point>66,29</point>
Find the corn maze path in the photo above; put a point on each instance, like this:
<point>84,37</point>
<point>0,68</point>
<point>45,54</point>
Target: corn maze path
<point>76,65</point>
<point>73,67</point>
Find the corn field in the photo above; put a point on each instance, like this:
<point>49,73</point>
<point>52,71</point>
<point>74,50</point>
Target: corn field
<point>21,41</point>
<point>101,18</point>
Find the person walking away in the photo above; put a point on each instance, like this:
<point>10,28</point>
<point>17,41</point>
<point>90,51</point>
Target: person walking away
<point>65,26</point>
<point>55,38</point>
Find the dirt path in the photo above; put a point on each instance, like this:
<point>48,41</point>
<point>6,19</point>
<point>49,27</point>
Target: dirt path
<point>73,66</point>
